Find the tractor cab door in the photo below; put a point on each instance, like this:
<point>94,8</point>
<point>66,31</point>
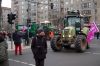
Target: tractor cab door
<point>77,27</point>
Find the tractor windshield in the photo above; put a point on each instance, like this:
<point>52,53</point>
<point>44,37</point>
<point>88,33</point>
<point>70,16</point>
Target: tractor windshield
<point>73,20</point>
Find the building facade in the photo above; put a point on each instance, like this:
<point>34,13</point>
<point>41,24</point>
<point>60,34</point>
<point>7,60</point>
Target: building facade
<point>87,9</point>
<point>37,10</point>
<point>55,13</point>
<point>19,7</point>
<point>5,25</point>
<point>40,10</point>
<point>97,3</point>
<point>90,8</point>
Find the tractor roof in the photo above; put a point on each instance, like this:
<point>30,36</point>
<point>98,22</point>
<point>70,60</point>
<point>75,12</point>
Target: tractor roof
<point>70,27</point>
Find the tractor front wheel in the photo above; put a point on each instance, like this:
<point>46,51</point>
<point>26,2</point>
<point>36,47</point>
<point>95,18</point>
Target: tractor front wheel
<point>56,44</point>
<point>81,43</point>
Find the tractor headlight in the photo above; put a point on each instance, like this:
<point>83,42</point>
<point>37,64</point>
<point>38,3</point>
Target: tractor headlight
<point>63,36</point>
<point>81,30</point>
<point>69,36</point>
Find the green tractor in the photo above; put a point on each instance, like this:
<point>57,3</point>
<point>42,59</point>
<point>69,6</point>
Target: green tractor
<point>73,35</point>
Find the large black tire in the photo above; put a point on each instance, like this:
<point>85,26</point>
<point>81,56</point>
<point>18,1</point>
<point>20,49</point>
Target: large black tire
<point>81,43</point>
<point>56,44</point>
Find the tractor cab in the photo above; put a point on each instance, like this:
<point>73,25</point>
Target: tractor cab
<point>75,21</point>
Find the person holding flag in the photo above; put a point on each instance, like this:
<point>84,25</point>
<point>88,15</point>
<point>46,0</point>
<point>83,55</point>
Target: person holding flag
<point>92,31</point>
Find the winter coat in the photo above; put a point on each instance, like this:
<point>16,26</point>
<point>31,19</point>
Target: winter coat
<point>17,38</point>
<point>39,47</point>
<point>4,44</point>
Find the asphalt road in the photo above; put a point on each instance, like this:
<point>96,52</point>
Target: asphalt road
<point>64,58</point>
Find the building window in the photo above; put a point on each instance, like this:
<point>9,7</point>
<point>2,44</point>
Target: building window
<point>33,14</point>
<point>87,5</point>
<point>87,12</point>
<point>72,1</point>
<point>22,12</point>
<point>22,7</point>
<point>67,3</point>
<point>22,3</point>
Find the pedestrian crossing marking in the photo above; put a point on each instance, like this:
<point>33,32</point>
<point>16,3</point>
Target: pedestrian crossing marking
<point>92,53</point>
<point>21,62</point>
<point>96,53</point>
<point>88,52</point>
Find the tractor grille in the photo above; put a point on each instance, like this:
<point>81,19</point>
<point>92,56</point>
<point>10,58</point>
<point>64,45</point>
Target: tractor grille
<point>66,33</point>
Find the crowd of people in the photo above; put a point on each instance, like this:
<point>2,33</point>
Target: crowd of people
<point>38,46</point>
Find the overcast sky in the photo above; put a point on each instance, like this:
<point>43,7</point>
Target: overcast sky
<point>6,3</point>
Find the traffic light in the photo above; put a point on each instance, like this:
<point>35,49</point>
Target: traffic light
<point>52,5</point>
<point>11,17</point>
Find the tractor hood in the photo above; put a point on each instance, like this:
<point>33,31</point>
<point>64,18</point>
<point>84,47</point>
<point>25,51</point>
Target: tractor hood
<point>68,31</point>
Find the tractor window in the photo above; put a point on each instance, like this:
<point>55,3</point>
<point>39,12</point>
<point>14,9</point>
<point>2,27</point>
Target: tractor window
<point>72,20</point>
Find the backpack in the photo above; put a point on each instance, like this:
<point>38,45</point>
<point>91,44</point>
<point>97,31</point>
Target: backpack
<point>3,53</point>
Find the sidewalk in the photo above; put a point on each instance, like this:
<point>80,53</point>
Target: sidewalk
<point>13,46</point>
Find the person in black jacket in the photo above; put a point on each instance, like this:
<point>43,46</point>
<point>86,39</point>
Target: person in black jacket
<point>98,33</point>
<point>26,38</point>
<point>17,41</point>
<point>39,48</point>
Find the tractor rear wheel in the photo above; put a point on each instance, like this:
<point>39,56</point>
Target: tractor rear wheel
<point>56,44</point>
<point>81,43</point>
